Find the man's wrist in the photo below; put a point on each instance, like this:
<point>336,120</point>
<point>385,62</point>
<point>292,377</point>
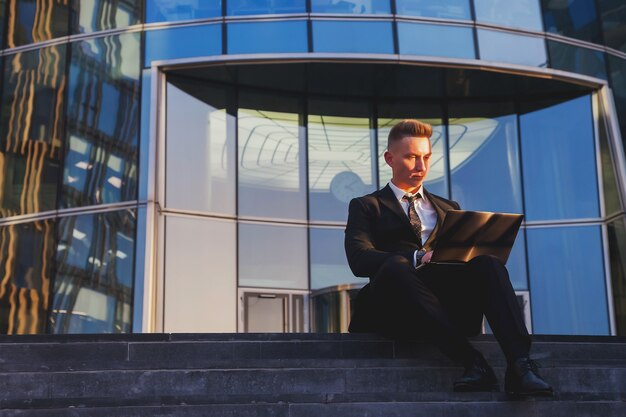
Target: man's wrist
<point>418,256</point>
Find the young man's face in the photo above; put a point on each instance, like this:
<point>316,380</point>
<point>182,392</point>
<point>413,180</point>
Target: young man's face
<point>409,159</point>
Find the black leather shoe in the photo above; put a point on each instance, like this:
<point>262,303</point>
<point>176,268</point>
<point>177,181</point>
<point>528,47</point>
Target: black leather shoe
<point>522,379</point>
<point>478,376</point>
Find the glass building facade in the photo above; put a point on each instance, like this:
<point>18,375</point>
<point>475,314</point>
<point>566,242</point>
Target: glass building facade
<point>186,166</point>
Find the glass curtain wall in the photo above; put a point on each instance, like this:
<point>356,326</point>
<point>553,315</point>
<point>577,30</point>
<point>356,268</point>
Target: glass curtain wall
<point>300,159</point>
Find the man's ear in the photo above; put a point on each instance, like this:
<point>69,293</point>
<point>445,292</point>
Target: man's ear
<point>388,157</point>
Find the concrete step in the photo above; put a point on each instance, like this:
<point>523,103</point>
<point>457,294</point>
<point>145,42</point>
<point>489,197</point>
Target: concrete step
<point>288,375</point>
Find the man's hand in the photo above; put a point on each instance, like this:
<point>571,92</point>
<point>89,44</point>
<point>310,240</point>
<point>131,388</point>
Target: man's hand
<point>427,256</point>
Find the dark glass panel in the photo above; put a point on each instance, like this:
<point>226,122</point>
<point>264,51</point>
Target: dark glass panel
<point>171,11</point>
<point>515,49</point>
<point>340,151</point>
<point>31,21</point>
<point>250,7</point>
<point>572,18</point>
<point>358,36</point>
<point>182,42</point>
<point>3,4</point>
<point>617,71</point>
<point>484,157</point>
<point>351,7</point>
<point>613,14</point>
<point>32,121</point>
<point>26,265</point>
<point>270,151</point>
<point>449,9</point>
<point>102,122</point>
<point>576,59</point>
<point>329,266</point>
<point>436,40</point>
<point>94,281</point>
<point>94,15</point>
<point>258,37</point>
<point>617,256</point>
<point>519,13</point>
<point>566,269</point>
<point>559,162</point>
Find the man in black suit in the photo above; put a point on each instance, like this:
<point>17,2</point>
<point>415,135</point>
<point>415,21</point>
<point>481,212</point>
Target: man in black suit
<point>390,232</point>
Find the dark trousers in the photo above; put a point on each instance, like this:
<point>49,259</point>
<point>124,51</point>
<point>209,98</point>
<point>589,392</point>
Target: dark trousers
<point>447,303</point>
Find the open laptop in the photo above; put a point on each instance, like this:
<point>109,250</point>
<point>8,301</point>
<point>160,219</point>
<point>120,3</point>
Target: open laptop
<point>467,234</point>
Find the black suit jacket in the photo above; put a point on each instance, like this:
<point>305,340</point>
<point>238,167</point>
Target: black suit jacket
<point>377,229</point>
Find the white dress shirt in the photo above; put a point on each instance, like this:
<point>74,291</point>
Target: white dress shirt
<point>424,208</point>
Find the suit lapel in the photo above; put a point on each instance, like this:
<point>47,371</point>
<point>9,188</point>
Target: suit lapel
<point>388,199</point>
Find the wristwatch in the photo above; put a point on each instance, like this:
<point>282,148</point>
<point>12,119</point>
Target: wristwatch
<point>418,256</point>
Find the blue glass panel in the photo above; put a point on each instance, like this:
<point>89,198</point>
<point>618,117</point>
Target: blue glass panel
<point>576,59</point>
<point>171,11</point>
<point>559,162</point>
<point>144,138</point>
<point>258,37</point>
<point>436,40</point>
<point>342,36</point>
<point>182,42</point>
<point>568,294</point>
<point>519,13</point>
<point>94,281</point>
<point>103,119</point>
<point>515,49</point>
<point>617,255</point>
<point>95,15</point>
<point>572,18</point>
<point>449,9</point>
<point>613,15</point>
<point>516,264</point>
<point>250,7</point>
<point>484,162</point>
<point>351,6</point>
<point>328,259</point>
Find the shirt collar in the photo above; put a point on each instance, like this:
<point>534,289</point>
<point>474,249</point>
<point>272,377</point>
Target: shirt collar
<point>400,193</point>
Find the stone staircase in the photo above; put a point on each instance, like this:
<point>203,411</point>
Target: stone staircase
<point>290,375</point>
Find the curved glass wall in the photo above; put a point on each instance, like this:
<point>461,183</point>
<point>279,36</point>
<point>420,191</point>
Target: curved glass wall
<point>70,134</point>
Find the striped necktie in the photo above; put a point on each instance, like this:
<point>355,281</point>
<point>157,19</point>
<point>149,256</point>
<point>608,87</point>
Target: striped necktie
<point>414,219</point>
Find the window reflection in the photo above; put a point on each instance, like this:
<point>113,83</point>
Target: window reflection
<point>436,40</point>
<point>574,19</point>
<point>200,149</point>
<point>93,284</point>
<point>559,162</point>
<point>26,265</point>
<point>95,15</point>
<point>31,21</point>
<point>103,122</point>
<point>515,49</point>
<point>613,15</point>
<point>271,174</point>
<point>519,13</point>
<point>436,182</point>
<point>290,36</point>
<point>329,266</point>
<point>577,59</point>
<point>181,42</point>
<point>32,130</point>
<point>618,85</point>
<point>342,36</point>
<point>273,256</point>
<point>171,11</point>
<point>351,6</point>
<point>564,298</point>
<point>251,7</point>
<point>340,164</point>
<point>484,157</point>
<point>449,9</point>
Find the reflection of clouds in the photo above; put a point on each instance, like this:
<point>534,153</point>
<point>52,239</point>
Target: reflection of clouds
<point>467,137</point>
